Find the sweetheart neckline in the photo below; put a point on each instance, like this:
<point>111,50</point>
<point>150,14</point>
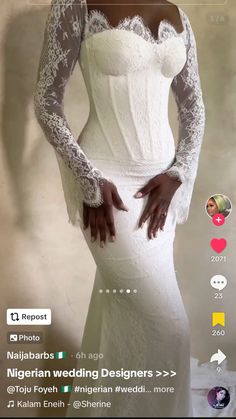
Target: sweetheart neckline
<point>159,45</point>
<point>154,39</point>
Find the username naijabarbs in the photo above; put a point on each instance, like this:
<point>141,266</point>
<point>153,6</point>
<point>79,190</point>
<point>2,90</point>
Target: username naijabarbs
<point>28,355</point>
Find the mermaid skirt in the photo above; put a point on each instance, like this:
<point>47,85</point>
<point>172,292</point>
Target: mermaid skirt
<point>136,320</point>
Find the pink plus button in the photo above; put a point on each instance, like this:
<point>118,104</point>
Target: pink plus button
<point>218,219</point>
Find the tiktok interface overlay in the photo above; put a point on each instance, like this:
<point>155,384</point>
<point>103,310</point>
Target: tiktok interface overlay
<point>27,368</point>
<point>219,207</point>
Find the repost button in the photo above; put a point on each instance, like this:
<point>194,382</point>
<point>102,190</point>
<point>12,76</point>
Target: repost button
<point>29,316</point>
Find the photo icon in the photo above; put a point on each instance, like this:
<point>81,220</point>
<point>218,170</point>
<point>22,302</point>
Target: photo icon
<point>13,338</point>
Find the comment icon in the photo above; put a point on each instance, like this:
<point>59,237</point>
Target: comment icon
<point>218,282</point>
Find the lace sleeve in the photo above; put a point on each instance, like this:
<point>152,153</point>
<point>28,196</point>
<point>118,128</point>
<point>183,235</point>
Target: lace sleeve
<point>60,51</point>
<point>187,91</point>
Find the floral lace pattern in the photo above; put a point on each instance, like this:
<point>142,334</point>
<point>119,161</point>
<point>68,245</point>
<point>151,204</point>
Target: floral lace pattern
<point>97,21</point>
<point>68,24</point>
<point>186,87</point>
<point>191,113</point>
<point>59,55</point>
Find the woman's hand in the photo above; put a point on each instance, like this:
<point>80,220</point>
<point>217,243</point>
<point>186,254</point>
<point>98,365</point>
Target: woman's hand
<point>161,189</point>
<point>100,217</point>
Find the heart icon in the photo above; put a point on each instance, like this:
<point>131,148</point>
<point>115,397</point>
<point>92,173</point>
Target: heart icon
<point>218,245</point>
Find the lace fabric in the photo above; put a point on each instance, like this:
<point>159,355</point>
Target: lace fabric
<point>96,21</point>
<point>61,46</point>
<point>186,87</point>
<point>68,24</point>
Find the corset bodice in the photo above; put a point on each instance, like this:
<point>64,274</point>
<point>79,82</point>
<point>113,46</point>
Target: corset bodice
<point>128,81</point>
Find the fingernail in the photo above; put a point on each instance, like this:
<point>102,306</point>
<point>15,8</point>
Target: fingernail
<point>125,208</point>
<point>92,239</point>
<point>102,243</point>
<point>113,238</point>
<point>138,195</point>
<point>142,225</point>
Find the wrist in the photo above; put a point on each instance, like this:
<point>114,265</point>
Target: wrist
<point>172,182</point>
<point>92,189</point>
<point>175,175</point>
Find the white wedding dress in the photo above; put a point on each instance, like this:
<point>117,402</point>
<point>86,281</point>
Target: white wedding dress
<point>136,317</point>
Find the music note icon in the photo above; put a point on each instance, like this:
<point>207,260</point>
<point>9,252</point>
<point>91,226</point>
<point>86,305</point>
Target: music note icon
<point>10,403</point>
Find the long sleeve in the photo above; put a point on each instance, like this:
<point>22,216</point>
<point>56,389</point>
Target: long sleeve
<point>59,55</point>
<point>187,91</point>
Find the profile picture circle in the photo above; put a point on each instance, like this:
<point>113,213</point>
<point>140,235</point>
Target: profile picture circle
<point>218,204</point>
<point>218,397</point>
